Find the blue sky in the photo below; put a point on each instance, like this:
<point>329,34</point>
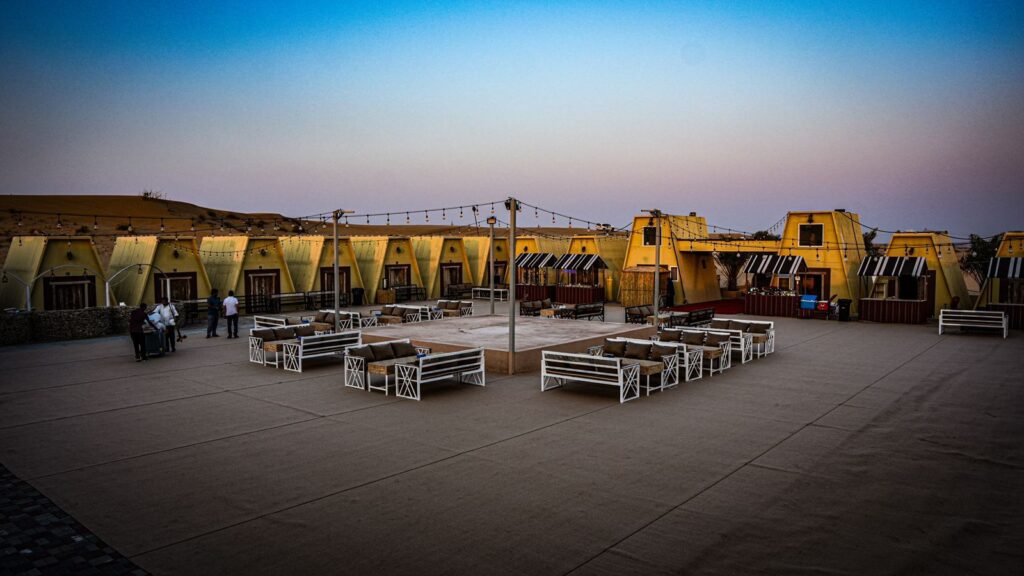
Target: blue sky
<point>909,113</point>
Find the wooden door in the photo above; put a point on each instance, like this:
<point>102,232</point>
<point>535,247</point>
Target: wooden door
<point>397,275</point>
<point>69,292</point>
<point>929,291</point>
<point>260,287</point>
<point>450,274</point>
<point>184,286</point>
<point>327,285</point>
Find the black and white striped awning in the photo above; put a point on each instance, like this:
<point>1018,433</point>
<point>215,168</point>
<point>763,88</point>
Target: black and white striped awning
<point>774,264</point>
<point>893,266</point>
<point>580,262</point>
<point>535,260</point>
<point>1012,268</point>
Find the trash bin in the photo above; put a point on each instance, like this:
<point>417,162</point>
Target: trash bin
<point>844,309</point>
<point>357,296</point>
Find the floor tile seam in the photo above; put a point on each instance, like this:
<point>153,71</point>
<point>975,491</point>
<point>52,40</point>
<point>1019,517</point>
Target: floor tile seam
<point>748,462</point>
<point>108,410</point>
<point>384,478</point>
<point>171,449</point>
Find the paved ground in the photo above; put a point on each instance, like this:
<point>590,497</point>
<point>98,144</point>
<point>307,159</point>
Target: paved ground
<point>856,449</point>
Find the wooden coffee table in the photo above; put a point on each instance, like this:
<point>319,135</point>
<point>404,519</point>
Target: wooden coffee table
<point>385,368</point>
<point>276,348</point>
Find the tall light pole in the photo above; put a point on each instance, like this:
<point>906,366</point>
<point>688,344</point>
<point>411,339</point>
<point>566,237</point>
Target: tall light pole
<point>337,272</point>
<point>656,218</point>
<point>513,206</point>
<point>491,221</point>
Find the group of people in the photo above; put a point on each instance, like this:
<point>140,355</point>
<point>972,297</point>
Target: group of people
<point>163,320</point>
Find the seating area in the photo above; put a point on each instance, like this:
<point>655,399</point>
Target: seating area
<point>973,319</point>
<point>268,345</point>
<point>581,311</point>
<point>364,361</point>
<point>459,291</point>
<point>465,366</point>
<point>534,307</point>
<point>762,333</point>
<point>715,345</point>
<point>321,346</point>
<point>455,308</point>
<point>677,362</point>
<point>558,368</point>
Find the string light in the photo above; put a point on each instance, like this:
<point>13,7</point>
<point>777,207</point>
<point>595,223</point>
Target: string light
<point>161,225</point>
<point>131,228</point>
<point>95,223</point>
<point>388,222</point>
<point>59,223</point>
<point>191,225</point>
<point>407,218</point>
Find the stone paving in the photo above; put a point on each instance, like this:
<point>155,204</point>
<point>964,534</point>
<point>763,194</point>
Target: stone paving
<point>855,449</point>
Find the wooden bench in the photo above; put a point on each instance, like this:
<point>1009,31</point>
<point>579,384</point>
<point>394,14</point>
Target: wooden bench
<point>762,331</point>
<point>361,362</point>
<point>973,319</point>
<point>318,347</point>
<point>462,365</point>
<point>557,368</point>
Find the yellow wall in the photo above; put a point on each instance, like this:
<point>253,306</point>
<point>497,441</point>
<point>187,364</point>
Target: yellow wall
<point>937,250</point>
<point>431,252</point>
<point>612,250</point>
<point>226,258</point>
<point>374,252</point>
<point>306,255</point>
<point>841,254</point>
<point>1011,246</point>
<point>155,254</point>
<point>478,254</point>
<point>681,248</point>
<point>31,256</point>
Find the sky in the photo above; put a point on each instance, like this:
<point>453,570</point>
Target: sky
<point>911,114</point>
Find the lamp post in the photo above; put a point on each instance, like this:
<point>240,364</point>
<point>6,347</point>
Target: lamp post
<point>656,219</point>
<point>337,273</point>
<point>491,221</point>
<point>513,206</point>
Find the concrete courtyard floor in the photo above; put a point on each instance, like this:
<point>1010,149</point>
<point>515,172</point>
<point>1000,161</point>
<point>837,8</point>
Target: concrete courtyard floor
<point>855,449</point>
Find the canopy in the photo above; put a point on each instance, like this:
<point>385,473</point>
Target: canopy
<point>893,266</point>
<point>1012,268</point>
<point>775,264</point>
<point>579,262</point>
<point>535,260</point>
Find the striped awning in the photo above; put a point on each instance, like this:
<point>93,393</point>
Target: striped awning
<point>580,262</point>
<point>774,264</point>
<point>893,266</point>
<point>535,260</point>
<point>1012,268</point>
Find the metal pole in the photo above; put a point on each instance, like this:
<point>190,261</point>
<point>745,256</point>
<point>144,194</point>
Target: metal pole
<point>28,298</point>
<point>337,273</point>
<point>107,295</point>
<point>491,283</point>
<point>657,266</point>
<point>513,206</point>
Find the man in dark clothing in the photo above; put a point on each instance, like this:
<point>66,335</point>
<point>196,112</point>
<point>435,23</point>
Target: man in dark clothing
<point>136,323</point>
<point>213,306</point>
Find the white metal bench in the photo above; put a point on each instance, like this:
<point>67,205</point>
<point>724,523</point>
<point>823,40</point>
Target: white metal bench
<point>353,320</point>
<point>742,342</point>
<point>318,347</point>
<point>269,322</point>
<point>685,364</point>
<point>973,319</point>
<point>357,375</point>
<point>760,348</point>
<point>560,367</point>
<point>461,307</point>
<point>500,294</point>
<point>464,365</point>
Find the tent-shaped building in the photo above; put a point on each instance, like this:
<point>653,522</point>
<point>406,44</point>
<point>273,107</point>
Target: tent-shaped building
<point>443,263</point>
<point>52,273</point>
<point>918,276</point>
<point>253,266</point>
<point>388,267</point>
<point>147,268</point>
<point>310,261</point>
<point>1003,288</point>
<point>478,252</point>
<point>687,266</point>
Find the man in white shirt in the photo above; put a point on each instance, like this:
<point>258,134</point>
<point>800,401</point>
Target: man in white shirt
<point>168,317</point>
<point>231,313</point>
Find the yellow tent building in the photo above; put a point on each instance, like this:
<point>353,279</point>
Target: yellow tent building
<point>386,262</point>
<point>478,251</point>
<point>688,272</point>
<point>310,261</point>
<point>611,250</point>
<point>443,263</point>
<point>53,272</point>
<point>537,282</point>
<point>1003,288</point>
<point>141,267</point>
<point>253,266</point>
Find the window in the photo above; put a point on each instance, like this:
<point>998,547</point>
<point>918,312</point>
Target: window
<point>812,234</point>
<point>650,235</point>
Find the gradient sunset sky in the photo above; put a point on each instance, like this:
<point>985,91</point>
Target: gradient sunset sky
<point>911,114</point>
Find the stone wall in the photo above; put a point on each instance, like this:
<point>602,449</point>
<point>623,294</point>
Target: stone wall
<point>53,325</point>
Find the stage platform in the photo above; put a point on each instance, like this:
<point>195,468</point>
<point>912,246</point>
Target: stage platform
<point>491,332</point>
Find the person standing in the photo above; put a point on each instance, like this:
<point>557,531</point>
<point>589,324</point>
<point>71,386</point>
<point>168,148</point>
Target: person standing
<point>169,316</point>
<point>213,306</point>
<point>231,314</point>
<point>136,329</point>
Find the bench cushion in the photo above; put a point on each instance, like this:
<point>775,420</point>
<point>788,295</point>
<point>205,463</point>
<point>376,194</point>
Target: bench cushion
<point>657,351</point>
<point>453,305</point>
<point>693,338</point>
<point>545,303</point>
<point>304,330</point>
<point>758,328</point>
<point>638,351</point>
<point>382,351</point>
<point>615,348</point>
<point>364,352</point>
<point>720,324</point>
<point>736,325</point>
<point>716,339</point>
<point>267,334</point>
<point>284,333</point>
<point>403,349</point>
<point>670,336</point>
<point>320,317</point>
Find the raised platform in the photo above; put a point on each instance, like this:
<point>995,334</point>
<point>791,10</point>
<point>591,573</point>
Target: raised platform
<point>491,332</point>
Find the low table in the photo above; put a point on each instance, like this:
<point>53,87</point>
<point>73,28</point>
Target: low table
<point>385,368</point>
<point>648,368</point>
<point>548,312</point>
<point>276,348</point>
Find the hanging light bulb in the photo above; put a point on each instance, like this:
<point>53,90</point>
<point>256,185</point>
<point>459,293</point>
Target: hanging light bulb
<point>346,221</point>
<point>131,228</point>
<point>140,269</point>
<point>277,226</point>
<point>161,225</point>
<point>443,215</point>
<point>426,214</point>
<point>367,219</point>
<point>407,218</point>
<point>552,218</point>
<point>570,223</point>
<point>191,225</point>
<point>460,212</point>
<point>95,223</point>
<point>492,208</point>
<point>59,223</point>
<point>388,221</point>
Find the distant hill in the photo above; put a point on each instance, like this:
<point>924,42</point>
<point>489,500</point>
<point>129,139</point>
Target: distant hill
<point>38,215</point>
